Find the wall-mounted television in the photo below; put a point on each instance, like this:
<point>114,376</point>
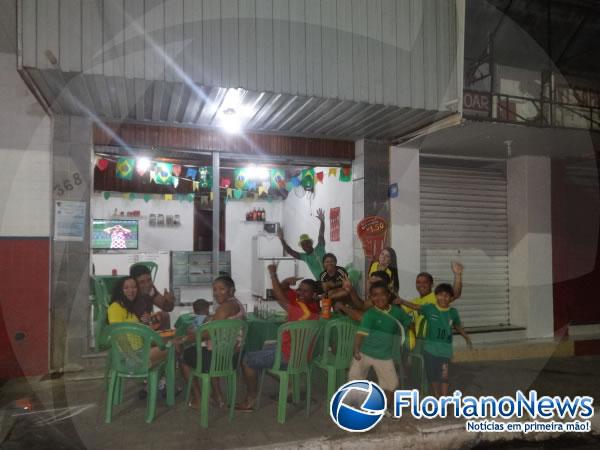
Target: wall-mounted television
<point>115,234</point>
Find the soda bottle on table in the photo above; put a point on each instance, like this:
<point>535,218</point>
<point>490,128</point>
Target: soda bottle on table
<point>326,307</point>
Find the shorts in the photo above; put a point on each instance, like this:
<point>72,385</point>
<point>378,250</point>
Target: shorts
<point>190,358</point>
<point>436,368</point>
<point>262,359</point>
<point>385,370</point>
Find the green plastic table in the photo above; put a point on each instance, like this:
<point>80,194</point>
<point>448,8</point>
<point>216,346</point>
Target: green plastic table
<point>261,330</point>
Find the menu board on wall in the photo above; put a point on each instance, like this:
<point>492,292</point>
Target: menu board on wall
<point>334,224</point>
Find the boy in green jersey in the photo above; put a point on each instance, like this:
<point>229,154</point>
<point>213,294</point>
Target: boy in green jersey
<point>373,345</point>
<point>441,321</point>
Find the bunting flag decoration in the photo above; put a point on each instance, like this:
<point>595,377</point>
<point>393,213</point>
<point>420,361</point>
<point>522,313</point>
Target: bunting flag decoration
<point>237,194</point>
<point>175,181</point>
<point>346,174</point>
<point>163,173</point>
<point>102,164</point>
<point>205,176</point>
<point>176,170</point>
<point>295,182</point>
<point>126,195</point>
<point>196,185</point>
<point>168,197</point>
<point>333,171</point>
<point>225,183</point>
<point>229,193</point>
<point>239,179</point>
<point>277,178</point>
<point>211,196</point>
<point>320,176</point>
<point>152,174</point>
<point>308,179</point>
<point>289,186</point>
<point>132,196</point>
<point>147,197</point>
<point>124,169</point>
<point>261,190</point>
<point>106,195</point>
<point>191,173</point>
<point>190,198</point>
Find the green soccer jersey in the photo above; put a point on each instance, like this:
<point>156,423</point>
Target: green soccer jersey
<point>380,328</point>
<point>438,341</point>
<point>314,261</point>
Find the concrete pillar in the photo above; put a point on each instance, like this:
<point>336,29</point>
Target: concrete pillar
<point>370,178</point>
<point>530,244</point>
<point>405,215</point>
<point>72,152</point>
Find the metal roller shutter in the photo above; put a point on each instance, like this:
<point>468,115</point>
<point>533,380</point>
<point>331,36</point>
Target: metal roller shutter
<point>464,217</point>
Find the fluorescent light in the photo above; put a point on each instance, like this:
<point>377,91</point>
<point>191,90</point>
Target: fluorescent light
<point>230,121</point>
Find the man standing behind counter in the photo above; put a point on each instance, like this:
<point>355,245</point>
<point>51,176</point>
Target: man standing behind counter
<point>312,256</point>
<point>150,297</point>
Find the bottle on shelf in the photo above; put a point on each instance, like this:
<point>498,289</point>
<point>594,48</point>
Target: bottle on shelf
<point>254,214</point>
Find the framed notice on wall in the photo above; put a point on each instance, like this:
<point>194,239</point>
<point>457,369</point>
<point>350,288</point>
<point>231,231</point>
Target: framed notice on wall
<point>334,224</point>
<point>69,220</point>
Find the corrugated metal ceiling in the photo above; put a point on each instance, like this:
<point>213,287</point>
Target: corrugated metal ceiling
<point>175,103</point>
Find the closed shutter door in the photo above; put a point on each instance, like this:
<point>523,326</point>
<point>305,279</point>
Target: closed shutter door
<point>464,218</point>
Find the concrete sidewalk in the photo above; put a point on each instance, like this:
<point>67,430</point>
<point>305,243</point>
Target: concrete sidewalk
<point>69,413</point>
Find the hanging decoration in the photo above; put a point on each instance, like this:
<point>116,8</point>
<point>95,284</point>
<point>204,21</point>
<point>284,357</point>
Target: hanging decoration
<point>308,179</point>
<point>141,166</point>
<point>175,181</point>
<point>277,178</point>
<point>124,169</point>
<point>239,178</point>
<point>262,190</point>
<point>319,176</point>
<point>333,171</point>
<point>168,197</point>
<point>346,174</point>
<point>106,195</point>
<point>147,197</point>
<point>176,170</point>
<point>163,173</point>
<point>205,177</point>
<point>237,194</point>
<point>295,182</point>
<point>102,164</point>
<point>191,173</point>
<point>229,193</point>
<point>190,198</point>
<point>195,186</point>
<point>225,183</point>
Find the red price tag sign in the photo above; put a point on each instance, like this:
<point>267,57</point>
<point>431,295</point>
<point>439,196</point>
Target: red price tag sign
<point>372,232</point>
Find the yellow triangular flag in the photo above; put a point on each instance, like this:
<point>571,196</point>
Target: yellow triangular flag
<point>196,185</point>
<point>333,171</point>
<point>261,189</point>
<point>229,193</point>
<point>168,196</point>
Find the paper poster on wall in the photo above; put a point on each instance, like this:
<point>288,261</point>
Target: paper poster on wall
<point>334,224</point>
<point>69,221</point>
<point>372,231</point>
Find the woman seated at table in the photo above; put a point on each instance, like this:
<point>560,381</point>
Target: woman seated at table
<point>229,307</point>
<point>122,309</point>
<point>300,304</point>
<point>332,278</point>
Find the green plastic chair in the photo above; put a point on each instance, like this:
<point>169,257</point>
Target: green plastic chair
<point>101,303</point>
<point>303,336</point>
<point>151,265</point>
<point>224,336</point>
<point>183,323</point>
<point>335,364</point>
<point>129,354</point>
<point>417,361</point>
<point>397,346</point>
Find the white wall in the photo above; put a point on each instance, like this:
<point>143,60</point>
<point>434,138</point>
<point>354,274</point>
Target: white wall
<point>300,216</point>
<point>405,217</point>
<point>25,138</point>
<point>530,244</point>
<point>238,238</point>
<point>151,239</point>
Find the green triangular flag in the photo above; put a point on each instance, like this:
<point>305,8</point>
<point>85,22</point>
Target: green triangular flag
<point>147,197</point>
<point>106,195</point>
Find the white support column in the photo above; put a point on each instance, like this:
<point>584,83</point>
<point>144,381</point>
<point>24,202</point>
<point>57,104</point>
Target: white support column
<point>405,216</point>
<point>530,244</point>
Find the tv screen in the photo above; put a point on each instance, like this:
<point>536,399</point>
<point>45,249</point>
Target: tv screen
<point>114,234</point>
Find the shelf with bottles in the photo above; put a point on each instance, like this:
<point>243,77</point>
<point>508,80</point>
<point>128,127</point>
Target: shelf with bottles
<point>256,215</point>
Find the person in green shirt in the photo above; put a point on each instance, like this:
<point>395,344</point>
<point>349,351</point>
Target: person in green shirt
<point>312,256</point>
<point>374,341</point>
<point>441,321</point>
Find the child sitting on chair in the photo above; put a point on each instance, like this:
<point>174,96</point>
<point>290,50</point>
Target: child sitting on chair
<point>201,310</point>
